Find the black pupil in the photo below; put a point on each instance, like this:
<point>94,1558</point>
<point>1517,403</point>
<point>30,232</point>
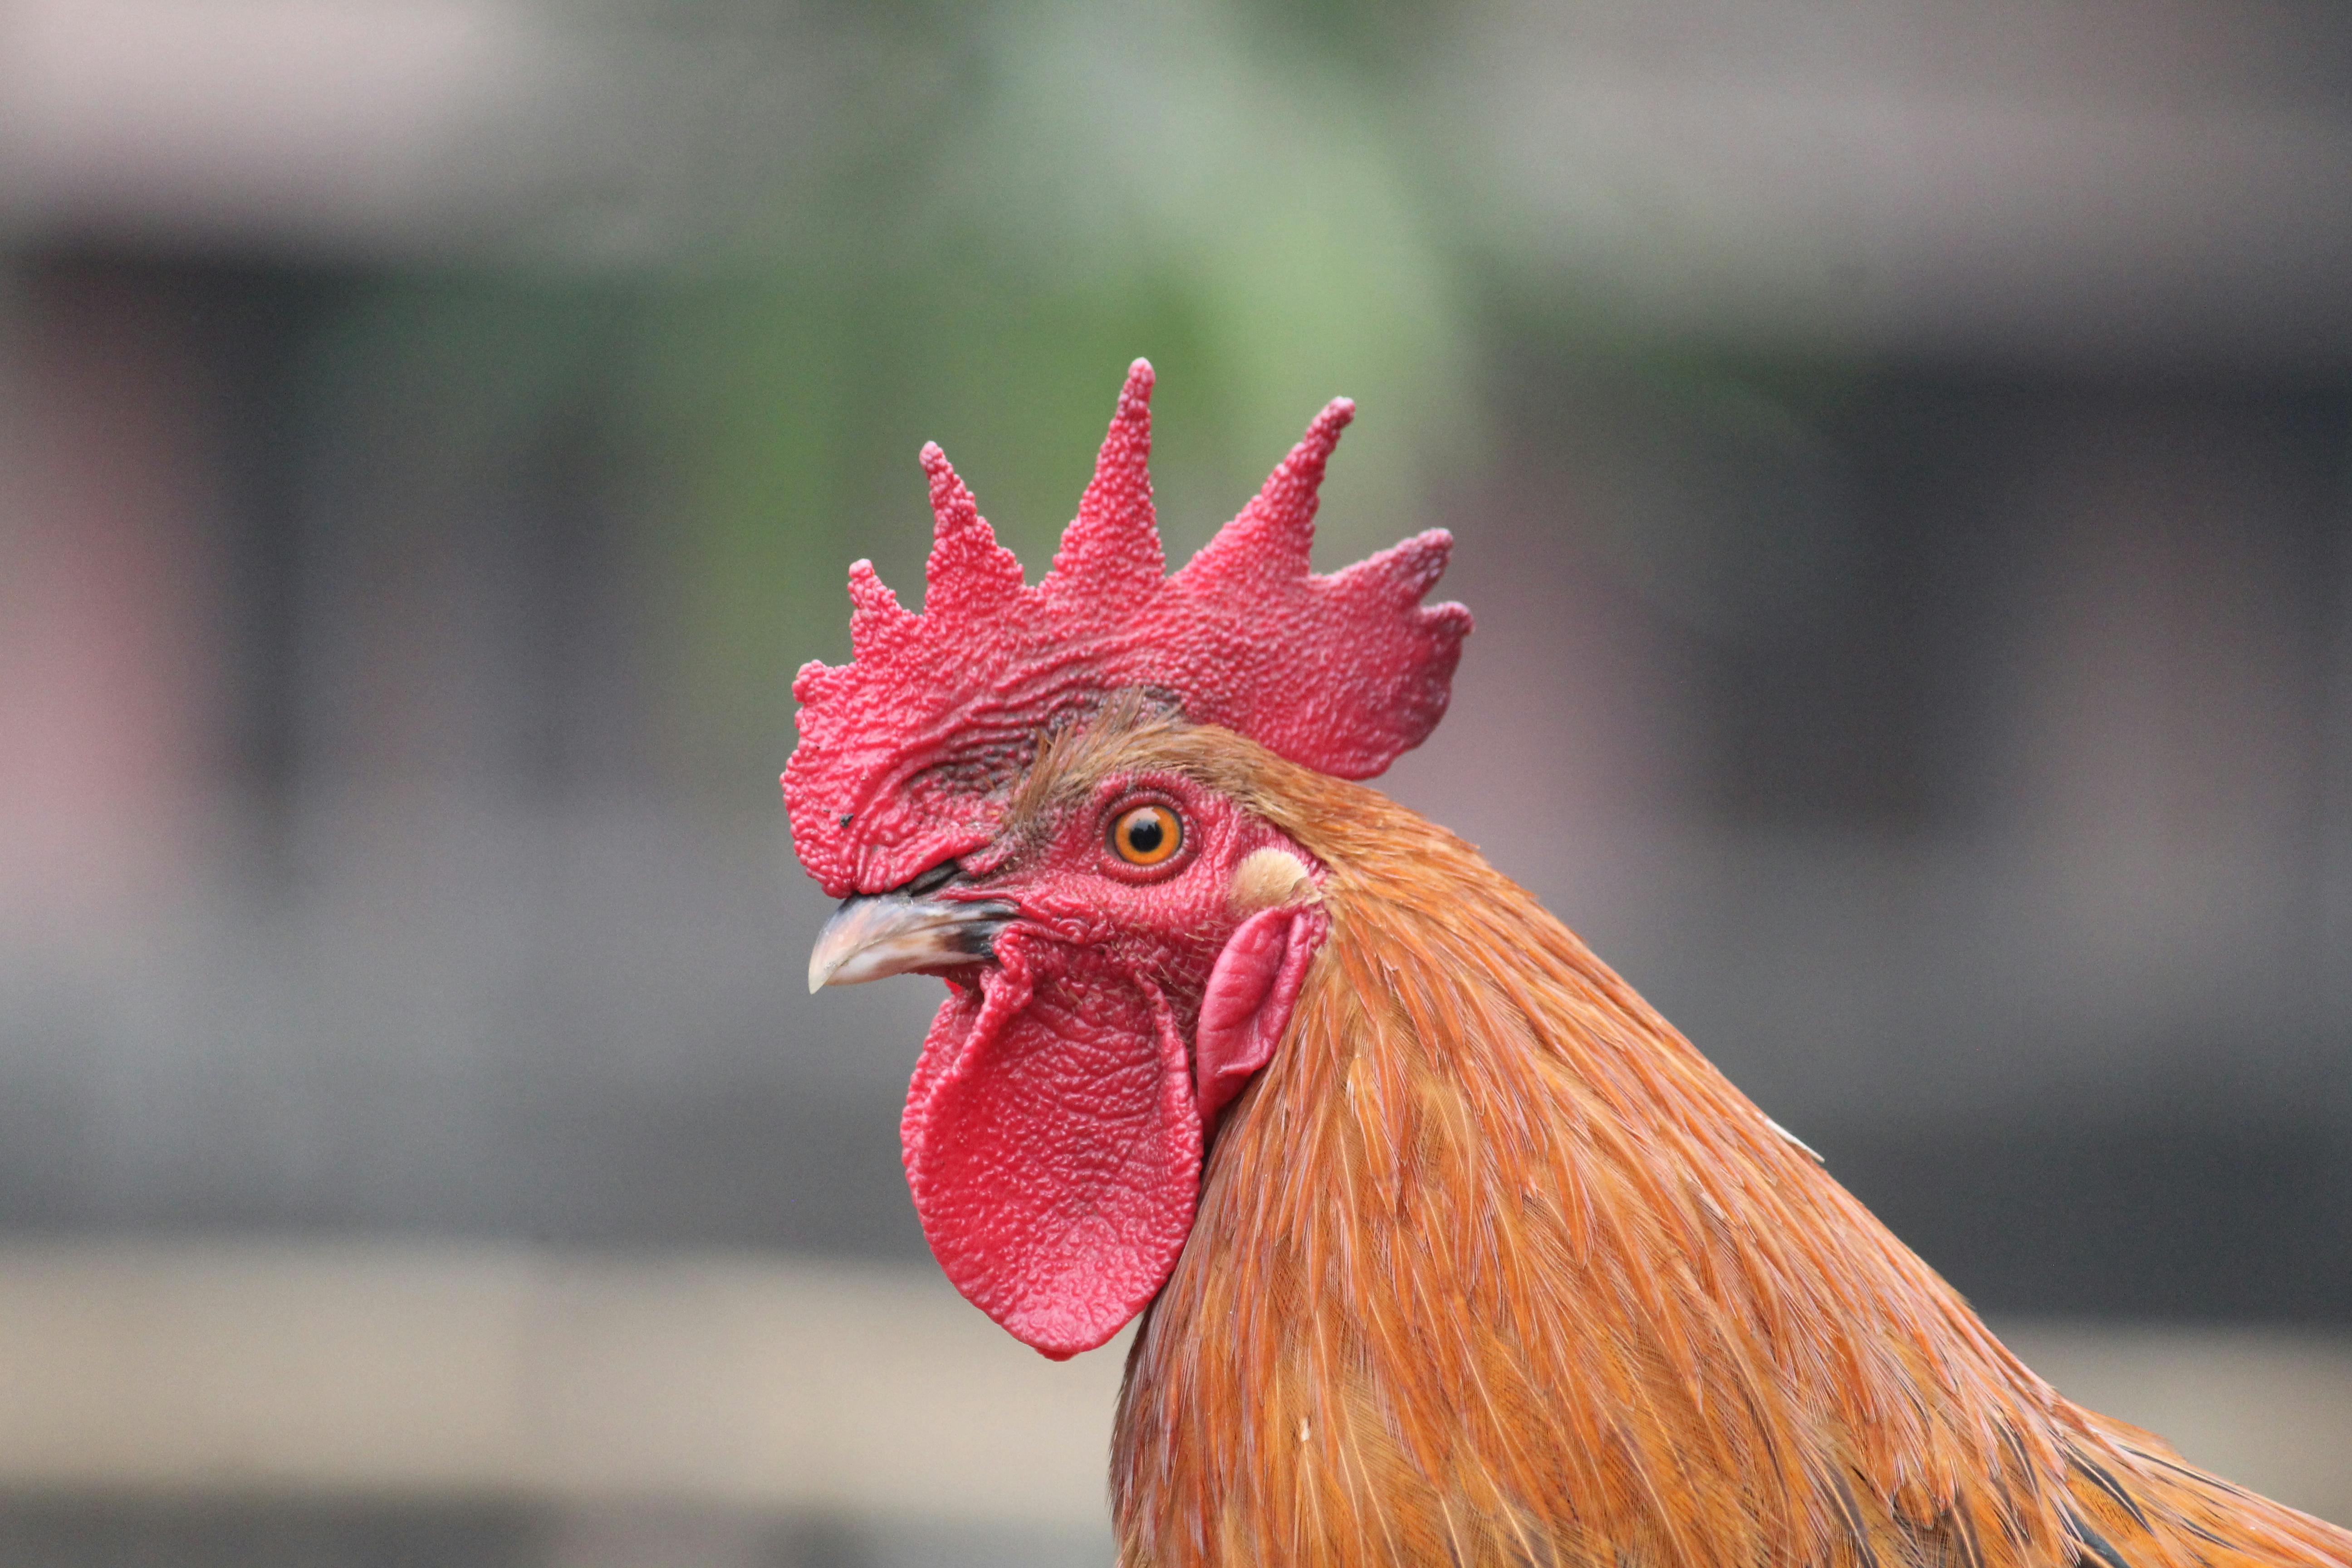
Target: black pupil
<point>1144,832</point>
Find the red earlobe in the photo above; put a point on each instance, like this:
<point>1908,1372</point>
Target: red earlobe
<point>1248,1001</point>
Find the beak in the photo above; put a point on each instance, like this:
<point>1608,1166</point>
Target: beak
<point>890,933</point>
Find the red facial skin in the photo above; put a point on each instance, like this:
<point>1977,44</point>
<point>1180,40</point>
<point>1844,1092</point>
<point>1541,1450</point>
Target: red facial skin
<point>1054,1130</point>
<point>1052,1133</point>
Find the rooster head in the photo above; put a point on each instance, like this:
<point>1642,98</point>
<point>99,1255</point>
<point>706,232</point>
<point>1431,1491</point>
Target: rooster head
<point>1009,790</point>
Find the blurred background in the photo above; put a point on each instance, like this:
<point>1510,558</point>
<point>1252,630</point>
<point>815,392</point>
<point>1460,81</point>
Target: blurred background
<point>1899,455</point>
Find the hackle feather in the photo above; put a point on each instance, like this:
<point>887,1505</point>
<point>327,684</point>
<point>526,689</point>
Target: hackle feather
<point>1491,1266</point>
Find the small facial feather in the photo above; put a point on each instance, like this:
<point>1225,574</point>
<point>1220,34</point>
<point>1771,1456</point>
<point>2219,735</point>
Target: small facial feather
<point>1270,878</point>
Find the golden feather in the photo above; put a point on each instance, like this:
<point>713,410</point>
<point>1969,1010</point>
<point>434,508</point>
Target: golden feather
<point>1492,1267</point>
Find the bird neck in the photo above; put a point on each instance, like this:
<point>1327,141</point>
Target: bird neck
<point>1490,1263</point>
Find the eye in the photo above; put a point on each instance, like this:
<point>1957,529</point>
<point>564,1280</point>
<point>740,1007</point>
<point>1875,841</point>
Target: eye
<point>1147,835</point>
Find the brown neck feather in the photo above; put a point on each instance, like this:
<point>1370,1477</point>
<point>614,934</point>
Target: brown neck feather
<point>1492,1266</point>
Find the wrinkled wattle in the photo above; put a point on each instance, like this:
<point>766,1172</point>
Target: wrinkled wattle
<point>1054,1131</point>
<point>1052,1145</point>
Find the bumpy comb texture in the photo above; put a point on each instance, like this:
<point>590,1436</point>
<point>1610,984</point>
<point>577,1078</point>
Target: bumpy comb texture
<point>907,751</point>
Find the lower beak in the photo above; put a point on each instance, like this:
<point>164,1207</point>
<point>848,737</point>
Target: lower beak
<point>891,934</point>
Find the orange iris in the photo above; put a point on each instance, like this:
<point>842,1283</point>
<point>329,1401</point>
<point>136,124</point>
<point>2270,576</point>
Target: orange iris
<point>1147,835</point>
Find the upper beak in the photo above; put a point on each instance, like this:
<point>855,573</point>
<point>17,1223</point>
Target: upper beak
<point>880,934</point>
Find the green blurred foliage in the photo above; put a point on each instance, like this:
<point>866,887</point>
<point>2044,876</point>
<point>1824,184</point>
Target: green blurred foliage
<point>1065,190</point>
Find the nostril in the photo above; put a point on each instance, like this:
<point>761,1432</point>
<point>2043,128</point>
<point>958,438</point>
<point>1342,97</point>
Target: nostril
<point>938,877</point>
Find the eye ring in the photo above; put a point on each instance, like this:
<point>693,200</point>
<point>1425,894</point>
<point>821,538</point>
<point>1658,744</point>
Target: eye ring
<point>1148,835</point>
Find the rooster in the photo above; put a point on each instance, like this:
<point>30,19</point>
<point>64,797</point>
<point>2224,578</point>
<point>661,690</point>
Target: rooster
<point>1449,1250</point>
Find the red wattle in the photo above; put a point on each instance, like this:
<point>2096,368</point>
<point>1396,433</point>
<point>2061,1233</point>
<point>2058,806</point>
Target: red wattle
<point>1053,1147</point>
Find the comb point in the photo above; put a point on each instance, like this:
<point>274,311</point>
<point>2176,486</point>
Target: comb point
<point>906,751</point>
<point>1110,559</point>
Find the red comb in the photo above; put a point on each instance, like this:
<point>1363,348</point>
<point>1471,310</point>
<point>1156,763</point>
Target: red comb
<point>906,751</point>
